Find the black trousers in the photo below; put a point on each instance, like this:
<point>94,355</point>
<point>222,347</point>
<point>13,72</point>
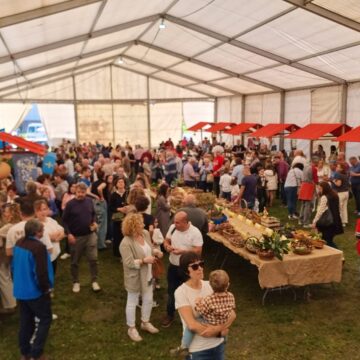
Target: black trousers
<point>356,192</point>
<point>174,280</point>
<point>29,309</point>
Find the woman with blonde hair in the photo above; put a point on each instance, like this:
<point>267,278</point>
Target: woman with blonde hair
<point>10,216</point>
<point>138,255</point>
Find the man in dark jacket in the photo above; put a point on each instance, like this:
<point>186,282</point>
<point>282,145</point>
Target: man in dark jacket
<point>33,278</point>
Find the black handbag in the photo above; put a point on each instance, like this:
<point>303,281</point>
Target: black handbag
<point>326,219</point>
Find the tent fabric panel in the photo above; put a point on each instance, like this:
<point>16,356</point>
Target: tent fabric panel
<point>300,33</point>
<point>262,109</point>
<point>166,122</point>
<point>94,84</point>
<point>316,131</point>
<point>347,8</point>
<point>162,90</point>
<point>50,72</point>
<point>200,72</point>
<point>49,29</point>
<point>241,86</point>
<point>164,75</point>
<point>288,77</point>
<point>229,108</point>
<point>179,39</point>
<point>128,85</point>
<point>94,122</point>
<point>59,122</point>
<point>115,38</point>
<point>235,59</point>
<point>104,55</point>
<point>210,90</point>
<point>343,64</point>
<point>116,11</point>
<point>7,68</point>
<point>130,123</point>
<point>12,114</point>
<point>49,57</point>
<point>152,56</point>
<point>353,136</point>
<point>326,105</point>
<point>353,116</point>
<point>229,17</point>
<point>56,90</point>
<point>242,128</point>
<point>270,130</point>
<point>18,6</point>
<point>134,66</point>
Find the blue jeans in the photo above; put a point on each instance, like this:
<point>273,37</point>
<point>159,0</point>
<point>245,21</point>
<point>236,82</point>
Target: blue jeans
<point>29,309</point>
<point>101,219</point>
<point>291,199</point>
<point>216,353</point>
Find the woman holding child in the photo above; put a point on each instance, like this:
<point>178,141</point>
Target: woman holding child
<point>192,299</point>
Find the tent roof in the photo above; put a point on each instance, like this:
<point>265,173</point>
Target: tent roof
<point>200,125</point>
<point>242,128</point>
<point>351,136</point>
<point>270,130</point>
<point>316,131</point>
<point>233,47</point>
<point>20,142</point>
<point>220,126</point>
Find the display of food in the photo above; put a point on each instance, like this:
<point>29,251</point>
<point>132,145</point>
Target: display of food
<point>228,231</point>
<point>302,244</point>
<point>204,200</point>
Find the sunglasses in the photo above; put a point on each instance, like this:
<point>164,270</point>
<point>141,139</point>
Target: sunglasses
<point>196,266</point>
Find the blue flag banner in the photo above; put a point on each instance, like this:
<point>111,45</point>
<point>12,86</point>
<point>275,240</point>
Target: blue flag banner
<point>2,142</point>
<point>24,169</point>
<point>49,163</point>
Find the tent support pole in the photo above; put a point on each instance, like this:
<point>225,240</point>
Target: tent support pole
<point>76,110</point>
<point>242,118</point>
<point>112,103</point>
<point>343,114</point>
<point>282,117</point>
<point>148,110</point>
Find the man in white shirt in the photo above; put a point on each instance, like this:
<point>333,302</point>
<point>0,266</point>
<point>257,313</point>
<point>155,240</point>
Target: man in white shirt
<point>182,237</point>
<point>17,231</point>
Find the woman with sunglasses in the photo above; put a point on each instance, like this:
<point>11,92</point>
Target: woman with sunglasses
<point>208,342</point>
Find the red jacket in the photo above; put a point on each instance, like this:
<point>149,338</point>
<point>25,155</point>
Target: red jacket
<point>217,164</point>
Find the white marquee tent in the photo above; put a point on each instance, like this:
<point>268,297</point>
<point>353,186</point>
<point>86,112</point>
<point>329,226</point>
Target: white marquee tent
<point>117,70</point>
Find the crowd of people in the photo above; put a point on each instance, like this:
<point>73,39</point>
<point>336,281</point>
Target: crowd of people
<point>101,197</point>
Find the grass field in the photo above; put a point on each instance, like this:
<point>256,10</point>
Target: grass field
<point>92,326</point>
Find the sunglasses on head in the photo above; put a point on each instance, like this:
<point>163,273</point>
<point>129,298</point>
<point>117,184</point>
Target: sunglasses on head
<point>196,266</point>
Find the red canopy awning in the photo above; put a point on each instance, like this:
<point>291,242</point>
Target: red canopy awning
<point>220,126</point>
<point>199,126</point>
<point>270,130</point>
<point>20,142</point>
<point>242,128</point>
<point>316,131</point>
<point>351,136</point>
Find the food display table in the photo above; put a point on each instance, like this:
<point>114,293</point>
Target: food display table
<point>320,267</point>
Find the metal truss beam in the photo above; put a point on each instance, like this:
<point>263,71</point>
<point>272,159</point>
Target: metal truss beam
<point>66,61</point>
<point>192,78</point>
<point>165,81</point>
<point>79,38</point>
<point>325,13</point>
<point>226,40</point>
<point>43,11</point>
<point>209,66</point>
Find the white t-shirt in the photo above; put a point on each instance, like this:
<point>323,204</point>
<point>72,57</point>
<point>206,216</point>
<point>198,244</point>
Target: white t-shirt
<point>294,178</point>
<point>184,240</point>
<point>186,296</point>
<point>225,183</point>
<point>17,232</point>
<point>51,226</point>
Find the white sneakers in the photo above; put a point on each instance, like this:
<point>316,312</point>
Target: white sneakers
<point>146,326</point>
<point>95,286</point>
<point>149,327</point>
<point>134,335</point>
<point>76,287</point>
<point>65,256</point>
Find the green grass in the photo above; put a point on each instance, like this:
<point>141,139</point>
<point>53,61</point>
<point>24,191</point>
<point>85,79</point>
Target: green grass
<point>92,326</point>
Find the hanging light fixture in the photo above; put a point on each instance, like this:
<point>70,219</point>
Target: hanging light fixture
<point>119,60</point>
<point>162,24</point>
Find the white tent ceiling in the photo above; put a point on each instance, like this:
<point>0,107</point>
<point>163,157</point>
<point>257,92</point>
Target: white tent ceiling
<point>209,47</point>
